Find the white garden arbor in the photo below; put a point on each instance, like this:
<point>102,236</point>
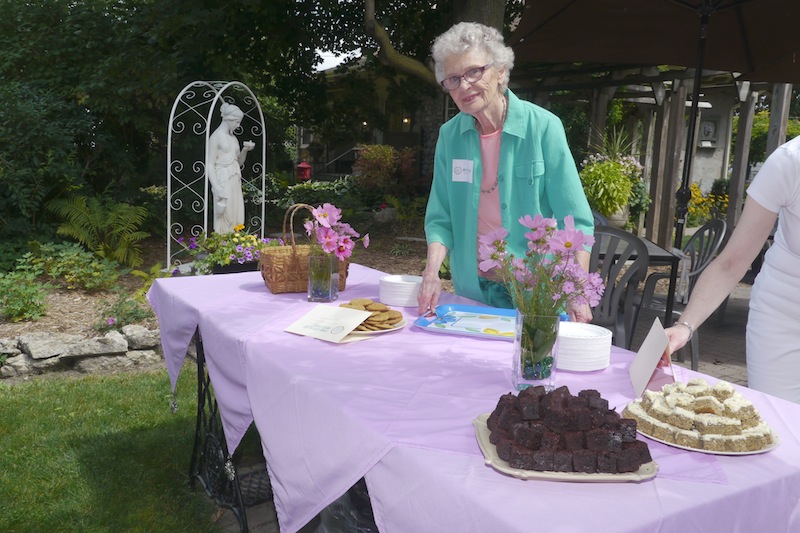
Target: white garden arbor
<point>189,209</point>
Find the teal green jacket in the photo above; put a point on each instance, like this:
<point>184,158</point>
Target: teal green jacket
<point>537,175</point>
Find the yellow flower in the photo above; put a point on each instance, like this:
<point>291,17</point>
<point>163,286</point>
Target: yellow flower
<point>238,228</point>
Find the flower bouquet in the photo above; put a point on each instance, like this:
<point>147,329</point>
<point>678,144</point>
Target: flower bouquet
<point>542,284</point>
<point>286,268</point>
<point>220,252</point>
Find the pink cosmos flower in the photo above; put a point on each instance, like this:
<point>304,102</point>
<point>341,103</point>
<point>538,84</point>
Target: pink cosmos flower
<point>335,237</point>
<point>328,238</point>
<point>327,215</point>
<point>547,278</point>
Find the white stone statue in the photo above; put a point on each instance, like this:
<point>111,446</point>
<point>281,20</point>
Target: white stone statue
<point>224,160</point>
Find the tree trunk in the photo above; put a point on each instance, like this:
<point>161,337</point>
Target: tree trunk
<point>489,12</point>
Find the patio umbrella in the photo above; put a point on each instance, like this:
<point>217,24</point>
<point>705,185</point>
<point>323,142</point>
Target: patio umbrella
<point>757,38</point>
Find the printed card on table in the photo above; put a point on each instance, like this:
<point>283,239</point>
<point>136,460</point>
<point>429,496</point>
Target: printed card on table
<point>328,322</point>
<point>652,367</point>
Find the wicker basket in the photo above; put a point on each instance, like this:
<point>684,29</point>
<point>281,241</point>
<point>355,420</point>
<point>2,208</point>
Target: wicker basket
<point>285,268</point>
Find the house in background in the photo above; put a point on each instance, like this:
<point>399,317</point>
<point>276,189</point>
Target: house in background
<point>397,122</point>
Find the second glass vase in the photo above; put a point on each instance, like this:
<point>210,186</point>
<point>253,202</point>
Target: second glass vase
<point>535,351</point>
<point>323,278</point>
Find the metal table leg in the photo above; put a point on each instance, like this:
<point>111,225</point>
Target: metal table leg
<point>211,464</point>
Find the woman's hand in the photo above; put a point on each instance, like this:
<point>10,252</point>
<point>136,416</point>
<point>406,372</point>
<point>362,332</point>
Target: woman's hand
<point>431,286</point>
<point>678,336</point>
<point>580,313</point>
<point>429,291</point>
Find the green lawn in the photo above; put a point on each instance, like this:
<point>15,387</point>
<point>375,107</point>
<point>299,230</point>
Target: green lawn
<point>100,453</point>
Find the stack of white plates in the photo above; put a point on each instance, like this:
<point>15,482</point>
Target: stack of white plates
<point>583,347</point>
<point>399,290</point>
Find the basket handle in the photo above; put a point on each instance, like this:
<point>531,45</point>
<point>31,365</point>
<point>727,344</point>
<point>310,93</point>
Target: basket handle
<point>289,215</point>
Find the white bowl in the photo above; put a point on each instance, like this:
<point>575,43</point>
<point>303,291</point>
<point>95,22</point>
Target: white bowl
<point>399,290</point>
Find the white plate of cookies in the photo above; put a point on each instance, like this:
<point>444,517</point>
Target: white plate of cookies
<point>384,319</point>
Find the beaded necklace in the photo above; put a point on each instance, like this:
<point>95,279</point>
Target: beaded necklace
<point>502,122</point>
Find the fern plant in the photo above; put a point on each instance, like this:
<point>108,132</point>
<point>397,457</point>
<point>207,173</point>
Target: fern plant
<point>110,229</point>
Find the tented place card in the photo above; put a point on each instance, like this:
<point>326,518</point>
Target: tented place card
<point>328,322</point>
<point>652,369</point>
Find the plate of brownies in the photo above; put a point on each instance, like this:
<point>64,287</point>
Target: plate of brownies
<point>702,418</point>
<point>560,437</point>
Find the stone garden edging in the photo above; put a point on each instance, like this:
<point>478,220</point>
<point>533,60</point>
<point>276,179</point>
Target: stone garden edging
<point>43,352</point>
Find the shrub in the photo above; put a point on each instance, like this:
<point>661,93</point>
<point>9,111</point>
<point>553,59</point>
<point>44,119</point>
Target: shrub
<point>22,297</point>
<point>342,191</point>
<point>383,170</point>
<point>78,268</point>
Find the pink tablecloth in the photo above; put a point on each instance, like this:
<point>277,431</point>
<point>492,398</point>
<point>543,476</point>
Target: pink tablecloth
<point>397,408</point>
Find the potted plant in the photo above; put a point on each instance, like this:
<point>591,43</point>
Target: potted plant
<point>225,253</point>
<point>611,177</point>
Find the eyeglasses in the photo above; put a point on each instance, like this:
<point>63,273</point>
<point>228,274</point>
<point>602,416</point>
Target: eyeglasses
<point>471,76</point>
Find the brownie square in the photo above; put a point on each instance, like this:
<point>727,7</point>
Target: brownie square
<point>506,399</point>
<point>639,448</point>
<point>628,461</point>
<point>502,409</point>
<point>589,393</point>
<point>537,392</point>
<point>607,462</point>
<point>503,448</point>
<point>508,418</point>
<point>627,427</point>
<point>496,435</point>
<point>556,418</point>
<point>542,460</point>
<point>573,440</point>
<point>562,461</point>
<point>528,436</point>
<point>491,422</point>
<point>577,402</point>
<point>529,407</point>
<point>596,402</point>
<point>521,457</point>
<point>550,440</point>
<point>579,419</point>
<point>597,417</point>
<point>584,461</point>
<point>603,440</point>
<point>611,419</point>
<point>561,395</point>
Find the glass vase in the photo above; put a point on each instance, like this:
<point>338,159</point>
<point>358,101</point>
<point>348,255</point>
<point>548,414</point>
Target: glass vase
<point>323,278</point>
<point>535,351</point>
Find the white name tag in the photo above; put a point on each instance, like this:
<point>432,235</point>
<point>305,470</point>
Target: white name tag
<point>462,170</point>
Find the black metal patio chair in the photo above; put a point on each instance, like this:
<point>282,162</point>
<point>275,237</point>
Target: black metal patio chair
<point>621,259</point>
<point>698,253</point>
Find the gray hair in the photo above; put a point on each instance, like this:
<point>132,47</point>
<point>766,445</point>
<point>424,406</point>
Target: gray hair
<point>466,36</point>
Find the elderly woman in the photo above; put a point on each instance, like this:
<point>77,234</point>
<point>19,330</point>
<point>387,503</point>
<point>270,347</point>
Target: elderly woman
<point>499,159</point>
<point>224,162</point>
